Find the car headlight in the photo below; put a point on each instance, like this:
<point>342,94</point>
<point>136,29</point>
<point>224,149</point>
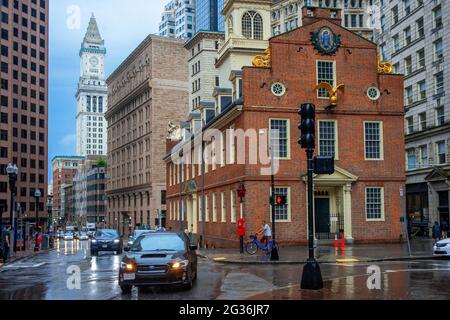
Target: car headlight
<point>178,264</point>
<point>117,241</point>
<point>127,266</point>
<point>94,241</point>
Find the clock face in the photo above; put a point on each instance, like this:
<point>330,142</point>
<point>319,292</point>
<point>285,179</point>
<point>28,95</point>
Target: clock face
<point>94,61</point>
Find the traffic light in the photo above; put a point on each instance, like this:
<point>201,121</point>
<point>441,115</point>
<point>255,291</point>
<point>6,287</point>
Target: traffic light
<point>324,165</point>
<point>279,200</point>
<point>308,126</point>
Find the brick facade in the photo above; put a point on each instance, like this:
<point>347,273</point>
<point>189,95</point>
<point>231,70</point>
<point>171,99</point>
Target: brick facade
<point>293,63</point>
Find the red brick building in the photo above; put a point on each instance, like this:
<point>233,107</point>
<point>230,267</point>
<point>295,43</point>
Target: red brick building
<point>364,131</point>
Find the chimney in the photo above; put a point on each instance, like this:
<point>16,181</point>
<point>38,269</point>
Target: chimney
<point>313,14</point>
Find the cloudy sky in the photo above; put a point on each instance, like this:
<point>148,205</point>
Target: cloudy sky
<point>123,25</point>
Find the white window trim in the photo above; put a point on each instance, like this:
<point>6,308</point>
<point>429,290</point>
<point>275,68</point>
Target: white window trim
<point>233,207</point>
<point>336,140</point>
<point>288,130</point>
<point>383,212</point>
<point>214,203</point>
<point>223,207</point>
<point>289,220</point>
<point>232,145</point>
<point>207,208</point>
<point>381,141</point>
<point>317,76</point>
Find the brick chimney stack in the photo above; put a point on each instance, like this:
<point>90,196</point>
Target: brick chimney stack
<point>313,14</point>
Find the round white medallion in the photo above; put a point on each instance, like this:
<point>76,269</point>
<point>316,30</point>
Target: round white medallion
<point>278,89</point>
<point>373,93</point>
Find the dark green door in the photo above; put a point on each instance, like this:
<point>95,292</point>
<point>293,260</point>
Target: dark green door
<point>322,208</point>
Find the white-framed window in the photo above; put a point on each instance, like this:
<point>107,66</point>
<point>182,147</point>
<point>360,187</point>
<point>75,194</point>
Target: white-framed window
<point>439,82</point>
<point>409,98</point>
<point>282,213</point>
<point>408,65</point>
<point>410,125</point>
<point>223,147</point>
<point>213,153</point>
<point>441,152</point>
<point>233,206</point>
<point>421,58</point>
<point>232,146</point>
<point>437,13</point>
<point>422,90</point>
<point>396,40</point>
<point>422,121</point>
<point>214,207</point>
<point>440,116</point>
<point>328,138</point>
<point>438,49</point>
<point>373,140</point>
<point>420,29</point>
<point>281,144</point>
<point>423,150</point>
<point>207,208</point>
<point>252,25</point>
<point>374,204</point>
<point>411,157</point>
<point>326,72</point>
<point>223,200</point>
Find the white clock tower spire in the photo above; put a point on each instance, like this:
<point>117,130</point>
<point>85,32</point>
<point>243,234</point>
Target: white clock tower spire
<point>92,94</point>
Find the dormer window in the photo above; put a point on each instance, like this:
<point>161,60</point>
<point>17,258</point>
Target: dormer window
<point>252,25</point>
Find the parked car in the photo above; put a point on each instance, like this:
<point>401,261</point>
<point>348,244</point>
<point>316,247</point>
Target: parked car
<point>442,248</point>
<point>106,240</point>
<point>159,259</point>
<point>68,236</point>
<point>136,235</point>
<point>83,236</point>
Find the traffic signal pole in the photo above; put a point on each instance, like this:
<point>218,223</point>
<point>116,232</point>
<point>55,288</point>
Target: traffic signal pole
<point>312,277</point>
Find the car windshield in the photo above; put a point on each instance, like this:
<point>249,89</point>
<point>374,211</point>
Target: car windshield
<point>106,234</point>
<point>83,234</point>
<point>159,242</point>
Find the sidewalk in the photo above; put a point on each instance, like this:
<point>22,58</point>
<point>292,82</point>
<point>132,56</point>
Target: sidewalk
<point>20,255</point>
<point>421,249</point>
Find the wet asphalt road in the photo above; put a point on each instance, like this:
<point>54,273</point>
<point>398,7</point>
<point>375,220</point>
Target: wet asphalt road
<point>44,277</point>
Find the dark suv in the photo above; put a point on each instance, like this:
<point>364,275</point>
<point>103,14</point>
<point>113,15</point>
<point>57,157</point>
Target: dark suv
<point>157,259</point>
<point>106,240</point>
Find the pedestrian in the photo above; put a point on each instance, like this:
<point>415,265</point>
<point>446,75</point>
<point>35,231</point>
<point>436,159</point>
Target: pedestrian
<point>437,232</point>
<point>445,228</point>
<point>39,240</point>
<point>6,243</point>
<point>267,233</point>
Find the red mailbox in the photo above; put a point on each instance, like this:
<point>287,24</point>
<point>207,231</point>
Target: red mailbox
<point>241,227</point>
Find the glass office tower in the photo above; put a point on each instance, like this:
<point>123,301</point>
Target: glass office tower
<point>207,15</point>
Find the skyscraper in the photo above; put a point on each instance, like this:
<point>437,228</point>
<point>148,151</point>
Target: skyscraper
<point>92,94</point>
<point>414,39</point>
<point>24,102</point>
<point>208,15</point>
<point>178,19</point>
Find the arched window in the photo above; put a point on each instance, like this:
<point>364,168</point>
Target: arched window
<point>252,25</point>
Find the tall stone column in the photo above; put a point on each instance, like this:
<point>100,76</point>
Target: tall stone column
<point>348,212</point>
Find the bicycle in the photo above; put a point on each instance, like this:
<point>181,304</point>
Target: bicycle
<point>254,245</point>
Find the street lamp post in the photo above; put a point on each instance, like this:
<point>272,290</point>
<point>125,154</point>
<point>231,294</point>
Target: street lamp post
<point>13,172</point>
<point>180,178</point>
<point>37,195</point>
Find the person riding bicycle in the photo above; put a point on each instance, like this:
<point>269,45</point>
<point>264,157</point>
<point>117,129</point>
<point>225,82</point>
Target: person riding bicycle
<point>267,233</point>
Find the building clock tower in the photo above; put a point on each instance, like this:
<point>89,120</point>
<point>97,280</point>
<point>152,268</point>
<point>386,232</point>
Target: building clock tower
<point>92,94</point>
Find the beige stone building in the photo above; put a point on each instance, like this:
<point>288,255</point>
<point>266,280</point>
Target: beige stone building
<point>149,89</point>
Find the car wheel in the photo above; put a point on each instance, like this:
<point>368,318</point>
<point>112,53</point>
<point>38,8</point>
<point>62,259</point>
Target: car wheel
<point>126,289</point>
<point>94,253</point>
<point>120,251</point>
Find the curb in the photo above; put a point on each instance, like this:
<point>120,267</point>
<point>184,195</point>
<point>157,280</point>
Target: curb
<point>239,262</point>
<point>14,260</point>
